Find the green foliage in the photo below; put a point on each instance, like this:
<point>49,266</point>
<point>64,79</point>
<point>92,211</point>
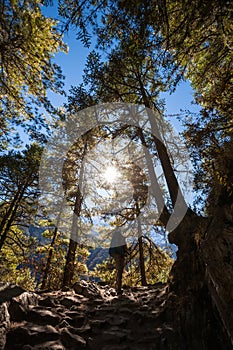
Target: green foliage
<point>105,272</point>
<point>196,39</point>
<point>58,259</point>
<point>80,268</point>
<point>19,188</point>
<point>19,196</point>
<point>192,41</point>
<point>221,193</point>
<point>28,42</point>
<point>14,259</point>
<point>201,36</point>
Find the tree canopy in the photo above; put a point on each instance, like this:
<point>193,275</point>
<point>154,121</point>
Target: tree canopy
<point>190,41</point>
<point>28,43</point>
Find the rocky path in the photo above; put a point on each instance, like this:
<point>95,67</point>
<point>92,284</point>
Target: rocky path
<point>88,317</point>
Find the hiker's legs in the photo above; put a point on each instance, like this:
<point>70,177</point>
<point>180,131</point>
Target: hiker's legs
<point>119,271</point>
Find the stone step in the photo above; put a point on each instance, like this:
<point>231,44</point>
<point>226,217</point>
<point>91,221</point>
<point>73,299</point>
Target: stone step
<point>68,320</point>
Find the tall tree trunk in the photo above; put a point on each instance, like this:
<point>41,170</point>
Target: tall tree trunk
<point>8,212</point>
<point>49,259</point>
<point>142,262</point>
<point>70,264</point>
<point>11,215</point>
<point>141,252</point>
<point>70,258</point>
<point>156,190</point>
<point>169,174</point>
<point>188,262</point>
<point>50,253</point>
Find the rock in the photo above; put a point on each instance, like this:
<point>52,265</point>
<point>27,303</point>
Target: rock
<point>97,325</point>
<point>146,318</point>
<point>88,290</point>
<point>2,338</point>
<point>76,320</point>
<point>112,292</point>
<point>116,347</point>
<point>118,321</point>
<point>43,317</point>
<point>70,301</point>
<point>47,302</point>
<point>72,341</point>
<point>27,299</point>
<point>9,291</point>
<point>4,316</point>
<point>85,329</point>
<point>49,345</point>
<point>116,335</point>
<point>17,311</point>
<point>4,324</point>
<point>78,288</point>
<point>125,310</point>
<point>63,324</point>
<point>138,317</point>
<point>30,334</point>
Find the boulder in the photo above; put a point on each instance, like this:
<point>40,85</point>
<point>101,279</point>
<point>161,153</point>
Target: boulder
<point>4,324</point>
<point>30,334</point>
<point>72,341</point>
<point>87,289</point>
<point>49,345</point>
<point>9,291</point>
<point>43,317</point>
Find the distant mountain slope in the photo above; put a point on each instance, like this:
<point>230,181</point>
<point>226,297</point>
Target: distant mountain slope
<point>97,256</point>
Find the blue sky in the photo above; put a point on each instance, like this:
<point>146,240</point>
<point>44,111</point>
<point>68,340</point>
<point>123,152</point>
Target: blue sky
<point>73,62</point>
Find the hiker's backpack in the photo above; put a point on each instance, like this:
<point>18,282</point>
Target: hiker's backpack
<point>117,251</point>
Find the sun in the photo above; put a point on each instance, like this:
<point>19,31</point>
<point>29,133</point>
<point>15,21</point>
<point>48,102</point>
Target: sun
<point>111,174</point>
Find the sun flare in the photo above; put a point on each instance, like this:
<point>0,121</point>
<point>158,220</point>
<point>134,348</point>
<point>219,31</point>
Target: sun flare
<point>111,174</point>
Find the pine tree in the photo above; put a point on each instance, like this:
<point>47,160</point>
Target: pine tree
<point>19,189</point>
<point>28,42</point>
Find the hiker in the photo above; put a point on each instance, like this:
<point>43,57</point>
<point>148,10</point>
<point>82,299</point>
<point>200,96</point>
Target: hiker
<point>118,250</point>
